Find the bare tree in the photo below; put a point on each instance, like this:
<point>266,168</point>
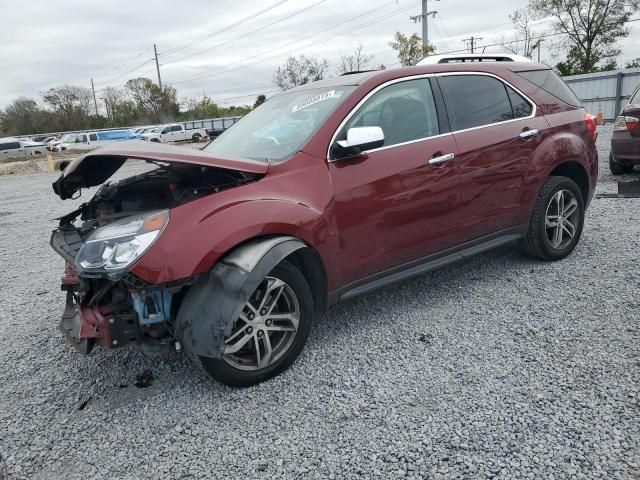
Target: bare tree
<point>113,98</point>
<point>300,70</point>
<point>71,105</point>
<point>354,63</point>
<point>524,41</point>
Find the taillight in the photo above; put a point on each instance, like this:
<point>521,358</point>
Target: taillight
<point>625,122</point>
<point>590,121</point>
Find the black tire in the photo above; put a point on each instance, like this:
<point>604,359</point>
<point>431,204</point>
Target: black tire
<point>225,373</point>
<point>536,243</point>
<point>196,138</point>
<point>155,140</point>
<point>618,168</point>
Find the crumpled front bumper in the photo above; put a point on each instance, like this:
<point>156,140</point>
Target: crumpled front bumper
<point>86,326</point>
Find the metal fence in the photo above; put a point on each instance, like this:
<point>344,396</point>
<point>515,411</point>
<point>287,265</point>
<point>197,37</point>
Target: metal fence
<point>605,91</point>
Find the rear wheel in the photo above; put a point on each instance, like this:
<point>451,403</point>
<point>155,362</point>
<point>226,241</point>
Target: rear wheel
<point>270,332</point>
<point>196,138</point>
<point>557,220</point>
<point>618,168</point>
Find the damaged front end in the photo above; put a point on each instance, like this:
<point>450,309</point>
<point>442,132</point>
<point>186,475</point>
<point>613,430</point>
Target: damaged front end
<point>101,240</point>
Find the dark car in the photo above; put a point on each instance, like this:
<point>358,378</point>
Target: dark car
<point>625,140</point>
<point>325,192</point>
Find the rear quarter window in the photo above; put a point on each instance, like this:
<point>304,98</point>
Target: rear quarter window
<point>553,84</point>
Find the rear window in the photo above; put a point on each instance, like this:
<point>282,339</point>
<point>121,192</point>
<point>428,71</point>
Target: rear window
<point>635,98</point>
<point>553,84</point>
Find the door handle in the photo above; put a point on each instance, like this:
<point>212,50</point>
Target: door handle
<point>441,159</point>
<point>529,134</point>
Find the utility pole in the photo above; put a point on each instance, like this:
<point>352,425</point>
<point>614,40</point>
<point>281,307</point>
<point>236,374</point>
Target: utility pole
<point>472,42</point>
<point>423,18</point>
<point>95,102</point>
<point>155,51</point>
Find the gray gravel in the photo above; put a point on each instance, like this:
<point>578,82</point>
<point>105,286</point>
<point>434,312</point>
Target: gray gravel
<point>501,367</point>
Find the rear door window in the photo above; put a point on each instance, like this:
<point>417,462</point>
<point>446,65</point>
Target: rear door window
<point>475,100</point>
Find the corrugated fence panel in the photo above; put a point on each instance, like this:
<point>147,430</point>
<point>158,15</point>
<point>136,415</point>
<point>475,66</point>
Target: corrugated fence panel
<point>608,91</point>
<point>629,83</point>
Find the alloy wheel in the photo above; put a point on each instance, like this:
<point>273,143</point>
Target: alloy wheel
<point>562,219</point>
<point>266,327</point>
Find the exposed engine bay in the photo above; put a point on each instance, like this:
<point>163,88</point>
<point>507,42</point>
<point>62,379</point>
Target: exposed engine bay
<point>103,237</point>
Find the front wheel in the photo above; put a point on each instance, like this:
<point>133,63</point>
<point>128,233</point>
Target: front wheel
<point>557,220</point>
<point>270,332</point>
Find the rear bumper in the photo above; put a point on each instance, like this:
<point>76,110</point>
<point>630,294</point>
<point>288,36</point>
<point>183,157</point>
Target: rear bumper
<point>625,147</point>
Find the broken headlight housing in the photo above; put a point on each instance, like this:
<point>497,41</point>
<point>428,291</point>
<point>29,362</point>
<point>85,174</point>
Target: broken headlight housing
<point>113,248</point>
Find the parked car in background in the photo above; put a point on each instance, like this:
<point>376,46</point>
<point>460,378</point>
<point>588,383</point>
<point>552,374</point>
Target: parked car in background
<point>326,191</point>
<point>91,140</point>
<point>625,140</point>
<point>176,132</point>
<point>14,146</point>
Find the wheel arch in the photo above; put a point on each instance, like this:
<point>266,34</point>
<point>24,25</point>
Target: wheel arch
<point>574,170</point>
<point>210,306</point>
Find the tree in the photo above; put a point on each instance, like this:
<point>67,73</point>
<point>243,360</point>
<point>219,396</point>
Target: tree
<point>523,42</point>
<point>71,105</point>
<point>113,98</point>
<point>22,116</point>
<point>300,70</point>
<point>592,29</point>
<point>260,100</point>
<point>203,107</point>
<point>354,63</point>
<point>410,49</point>
<point>154,104</point>
<point>635,63</point>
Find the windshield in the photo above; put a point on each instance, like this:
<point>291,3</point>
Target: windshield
<point>281,126</point>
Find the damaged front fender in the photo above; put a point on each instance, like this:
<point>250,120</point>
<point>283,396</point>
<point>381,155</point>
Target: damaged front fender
<point>212,305</point>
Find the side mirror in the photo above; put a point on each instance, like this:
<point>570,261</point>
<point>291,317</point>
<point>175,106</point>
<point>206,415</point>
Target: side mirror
<point>360,139</point>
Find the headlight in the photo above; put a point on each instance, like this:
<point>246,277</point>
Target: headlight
<point>113,248</point>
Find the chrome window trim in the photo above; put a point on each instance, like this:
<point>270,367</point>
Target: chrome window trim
<point>426,76</point>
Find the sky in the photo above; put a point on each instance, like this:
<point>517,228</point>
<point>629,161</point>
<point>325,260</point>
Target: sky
<point>226,49</point>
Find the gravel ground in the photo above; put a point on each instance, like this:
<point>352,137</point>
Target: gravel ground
<point>500,367</point>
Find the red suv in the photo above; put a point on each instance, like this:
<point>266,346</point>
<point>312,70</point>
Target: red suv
<point>326,191</point>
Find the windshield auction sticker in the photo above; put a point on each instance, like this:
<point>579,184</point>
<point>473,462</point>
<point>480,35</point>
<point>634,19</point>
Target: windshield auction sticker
<point>313,100</point>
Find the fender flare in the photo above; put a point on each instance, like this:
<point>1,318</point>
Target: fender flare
<point>215,301</point>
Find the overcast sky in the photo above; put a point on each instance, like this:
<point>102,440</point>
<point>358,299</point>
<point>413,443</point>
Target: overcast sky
<point>45,44</point>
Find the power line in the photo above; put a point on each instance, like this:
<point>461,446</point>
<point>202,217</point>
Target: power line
<point>109,82</point>
<point>246,34</point>
<point>324,39</point>
<point>225,29</point>
<point>301,39</point>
